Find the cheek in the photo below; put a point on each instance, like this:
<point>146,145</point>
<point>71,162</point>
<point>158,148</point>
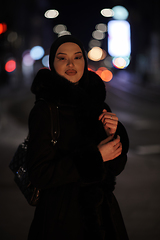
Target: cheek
<point>82,68</point>
<point>58,68</point>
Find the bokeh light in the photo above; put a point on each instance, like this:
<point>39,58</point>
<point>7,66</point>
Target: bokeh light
<point>100,70</point>
<point>119,38</point>
<point>105,74</point>
<point>90,69</point>
<point>95,54</point>
<point>12,36</point>
<point>45,61</point>
<point>120,62</point>
<point>10,65</point>
<point>108,62</point>
<point>64,33</point>
<point>59,28</point>
<point>97,34</point>
<point>52,13</point>
<point>107,12</point>
<point>3,27</point>
<point>120,13</point>
<point>27,60</point>
<point>102,27</point>
<point>37,52</point>
<point>94,43</point>
<point>104,54</point>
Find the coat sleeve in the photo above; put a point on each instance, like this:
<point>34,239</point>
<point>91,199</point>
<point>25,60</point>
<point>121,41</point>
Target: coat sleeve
<point>117,165</point>
<point>47,168</point>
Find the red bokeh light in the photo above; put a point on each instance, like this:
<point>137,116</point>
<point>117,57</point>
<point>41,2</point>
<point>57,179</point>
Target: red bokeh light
<point>10,66</point>
<point>3,27</point>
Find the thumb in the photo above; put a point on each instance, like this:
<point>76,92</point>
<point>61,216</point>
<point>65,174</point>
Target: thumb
<point>104,110</point>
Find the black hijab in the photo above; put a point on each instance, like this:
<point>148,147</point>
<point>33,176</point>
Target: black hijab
<point>47,83</point>
<point>59,41</point>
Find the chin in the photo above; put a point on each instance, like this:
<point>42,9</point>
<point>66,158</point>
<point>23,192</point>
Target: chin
<point>72,80</point>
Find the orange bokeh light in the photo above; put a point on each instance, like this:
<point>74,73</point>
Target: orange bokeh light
<point>10,66</point>
<point>100,70</point>
<point>105,74</point>
<point>90,69</point>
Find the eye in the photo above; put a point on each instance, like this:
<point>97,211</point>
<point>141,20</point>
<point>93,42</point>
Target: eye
<point>78,57</point>
<point>61,58</point>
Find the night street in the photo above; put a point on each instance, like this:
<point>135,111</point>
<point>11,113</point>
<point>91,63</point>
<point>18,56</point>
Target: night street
<point>137,187</point>
<point>121,43</point>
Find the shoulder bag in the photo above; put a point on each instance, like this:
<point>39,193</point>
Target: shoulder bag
<point>18,164</point>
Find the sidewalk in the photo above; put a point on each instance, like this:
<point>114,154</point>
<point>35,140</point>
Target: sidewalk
<point>15,213</point>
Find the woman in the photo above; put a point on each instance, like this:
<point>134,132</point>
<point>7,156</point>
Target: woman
<point>77,175</point>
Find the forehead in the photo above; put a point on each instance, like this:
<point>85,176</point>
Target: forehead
<point>69,47</point>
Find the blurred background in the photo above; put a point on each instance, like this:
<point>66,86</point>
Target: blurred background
<point>122,42</point>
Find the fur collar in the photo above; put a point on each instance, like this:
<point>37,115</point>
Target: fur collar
<point>59,89</point>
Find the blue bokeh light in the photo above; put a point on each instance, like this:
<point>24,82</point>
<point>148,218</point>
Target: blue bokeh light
<point>37,52</point>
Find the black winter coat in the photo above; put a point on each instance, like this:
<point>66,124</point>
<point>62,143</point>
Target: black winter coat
<point>76,200</point>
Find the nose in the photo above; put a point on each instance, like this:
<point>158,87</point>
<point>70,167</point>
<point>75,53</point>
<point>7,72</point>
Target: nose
<point>70,63</point>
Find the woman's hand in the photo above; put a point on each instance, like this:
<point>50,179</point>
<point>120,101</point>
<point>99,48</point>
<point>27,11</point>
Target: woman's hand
<point>110,148</point>
<point>110,122</point>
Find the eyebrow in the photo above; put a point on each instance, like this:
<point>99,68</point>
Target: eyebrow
<point>66,53</point>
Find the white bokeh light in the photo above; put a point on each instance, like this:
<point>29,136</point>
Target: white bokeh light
<point>119,38</point>
<point>59,28</point>
<point>102,27</point>
<point>97,34</point>
<point>64,33</point>
<point>94,43</point>
<point>107,12</point>
<point>51,13</point>
<point>95,54</point>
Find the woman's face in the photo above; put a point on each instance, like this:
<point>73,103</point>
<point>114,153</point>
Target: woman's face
<point>69,62</point>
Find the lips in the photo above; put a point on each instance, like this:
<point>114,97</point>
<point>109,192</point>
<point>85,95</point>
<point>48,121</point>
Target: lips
<point>71,72</point>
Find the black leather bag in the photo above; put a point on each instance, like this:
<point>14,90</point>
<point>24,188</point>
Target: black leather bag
<point>18,165</point>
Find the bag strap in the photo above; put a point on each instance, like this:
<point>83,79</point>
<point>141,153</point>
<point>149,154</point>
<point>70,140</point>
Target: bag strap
<point>55,128</point>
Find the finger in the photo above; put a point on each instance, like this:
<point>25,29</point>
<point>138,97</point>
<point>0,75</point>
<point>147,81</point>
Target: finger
<point>112,127</point>
<point>110,121</point>
<point>118,153</point>
<point>118,146</point>
<point>101,116</point>
<point>107,119</point>
<point>116,142</point>
<point>108,139</point>
<point>110,116</point>
<point>104,111</point>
